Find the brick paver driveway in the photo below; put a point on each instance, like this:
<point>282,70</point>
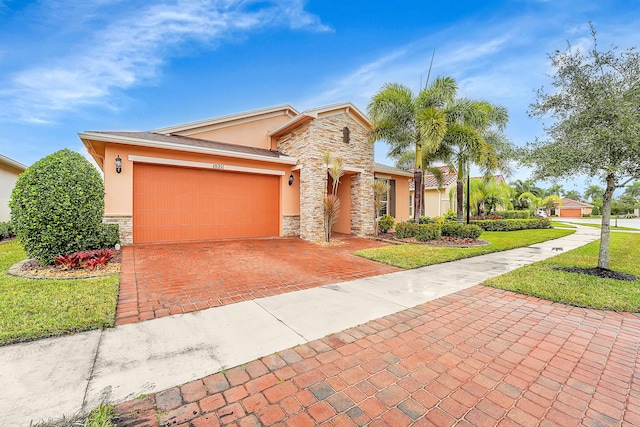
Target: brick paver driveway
<point>480,357</point>
<point>159,280</point>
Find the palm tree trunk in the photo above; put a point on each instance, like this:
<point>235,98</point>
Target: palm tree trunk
<point>605,233</point>
<point>418,192</point>
<point>460,193</point>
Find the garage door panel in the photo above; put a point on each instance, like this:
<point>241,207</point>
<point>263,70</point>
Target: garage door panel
<point>178,204</point>
<point>570,213</point>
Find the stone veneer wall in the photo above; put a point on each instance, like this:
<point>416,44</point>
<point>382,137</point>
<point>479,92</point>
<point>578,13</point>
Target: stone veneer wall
<point>308,143</point>
<point>125,227</point>
<point>290,225</point>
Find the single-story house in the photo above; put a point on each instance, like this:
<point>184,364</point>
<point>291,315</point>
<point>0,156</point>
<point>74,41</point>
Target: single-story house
<point>439,198</point>
<point>9,171</point>
<point>573,209</point>
<point>253,174</point>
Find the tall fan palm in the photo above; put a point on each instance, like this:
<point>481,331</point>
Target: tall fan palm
<point>414,123</point>
<point>474,136</point>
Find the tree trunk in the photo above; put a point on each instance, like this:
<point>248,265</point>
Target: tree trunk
<point>460,200</point>
<point>605,234</point>
<point>460,192</point>
<point>418,193</point>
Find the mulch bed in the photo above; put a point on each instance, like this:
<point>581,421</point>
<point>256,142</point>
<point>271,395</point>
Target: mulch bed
<point>32,269</point>
<point>599,272</point>
<point>448,241</point>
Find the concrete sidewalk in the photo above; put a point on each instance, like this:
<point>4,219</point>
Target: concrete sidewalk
<point>52,377</point>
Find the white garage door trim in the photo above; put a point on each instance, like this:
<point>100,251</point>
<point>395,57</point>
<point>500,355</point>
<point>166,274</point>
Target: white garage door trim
<point>202,165</point>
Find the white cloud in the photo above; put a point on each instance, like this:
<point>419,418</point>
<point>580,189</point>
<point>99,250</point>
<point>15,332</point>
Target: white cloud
<point>131,48</point>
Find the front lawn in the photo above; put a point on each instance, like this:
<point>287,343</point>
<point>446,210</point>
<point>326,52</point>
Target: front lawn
<point>612,227</point>
<point>562,224</point>
<point>31,308</point>
<point>542,281</point>
<point>414,256</point>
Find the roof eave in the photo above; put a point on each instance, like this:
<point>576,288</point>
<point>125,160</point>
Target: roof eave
<point>392,172</point>
<point>116,139</point>
<point>14,164</point>
<point>288,109</point>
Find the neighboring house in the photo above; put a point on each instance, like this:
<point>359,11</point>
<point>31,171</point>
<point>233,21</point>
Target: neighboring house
<point>253,174</point>
<point>436,201</point>
<point>573,208</point>
<point>9,171</point>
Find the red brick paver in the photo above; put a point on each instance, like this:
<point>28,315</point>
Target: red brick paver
<point>159,280</point>
<point>480,357</point>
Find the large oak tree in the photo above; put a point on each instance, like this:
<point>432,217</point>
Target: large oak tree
<point>595,131</point>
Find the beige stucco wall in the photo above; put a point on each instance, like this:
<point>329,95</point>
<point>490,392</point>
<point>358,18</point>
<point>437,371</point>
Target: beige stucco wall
<point>343,223</point>
<point>119,187</point>
<point>402,194</point>
<point>252,133</point>
<point>437,203</point>
<point>8,177</point>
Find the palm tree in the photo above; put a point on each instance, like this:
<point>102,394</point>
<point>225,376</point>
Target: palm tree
<point>573,195</point>
<point>633,190</point>
<point>526,186</point>
<point>487,194</point>
<point>594,193</point>
<point>412,123</point>
<point>532,201</point>
<point>474,136</point>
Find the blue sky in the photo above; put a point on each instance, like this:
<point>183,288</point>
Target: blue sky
<point>72,66</point>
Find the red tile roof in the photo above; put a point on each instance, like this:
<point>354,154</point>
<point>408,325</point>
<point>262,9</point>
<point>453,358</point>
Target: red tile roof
<point>574,204</point>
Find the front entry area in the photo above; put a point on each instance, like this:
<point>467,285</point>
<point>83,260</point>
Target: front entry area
<point>177,204</point>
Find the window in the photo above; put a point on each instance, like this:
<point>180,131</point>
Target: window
<point>410,205</point>
<point>384,202</point>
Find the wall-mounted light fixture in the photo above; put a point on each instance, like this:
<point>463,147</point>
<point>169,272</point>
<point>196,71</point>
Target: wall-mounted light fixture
<point>118,164</point>
<point>291,179</point>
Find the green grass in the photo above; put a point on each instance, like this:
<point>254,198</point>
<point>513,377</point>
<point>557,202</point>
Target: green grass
<point>413,256</point>
<point>102,416</point>
<point>612,227</point>
<point>31,308</point>
<point>582,290</point>
<point>562,224</point>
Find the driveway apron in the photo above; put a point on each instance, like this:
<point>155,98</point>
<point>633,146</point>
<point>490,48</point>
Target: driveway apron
<point>159,280</point>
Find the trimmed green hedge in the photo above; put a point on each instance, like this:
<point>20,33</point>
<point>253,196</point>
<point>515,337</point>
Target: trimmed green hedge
<point>405,230</point>
<point>462,231</point>
<point>512,224</point>
<point>514,214</point>
<point>57,206</point>
<point>6,230</point>
<point>428,232</point>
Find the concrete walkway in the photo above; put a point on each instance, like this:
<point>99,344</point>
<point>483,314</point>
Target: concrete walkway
<point>52,377</point>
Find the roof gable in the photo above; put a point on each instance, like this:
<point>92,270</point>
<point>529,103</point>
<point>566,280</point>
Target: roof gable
<point>570,203</point>
<point>308,115</point>
<point>200,126</point>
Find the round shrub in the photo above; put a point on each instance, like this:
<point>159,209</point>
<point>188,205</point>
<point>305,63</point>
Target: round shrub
<point>57,206</point>
<point>427,220</point>
<point>428,232</point>
<point>385,223</point>
<point>406,230</point>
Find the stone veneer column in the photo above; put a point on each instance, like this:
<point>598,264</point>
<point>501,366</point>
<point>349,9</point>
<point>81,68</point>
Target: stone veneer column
<point>312,190</point>
<point>125,227</point>
<point>362,208</point>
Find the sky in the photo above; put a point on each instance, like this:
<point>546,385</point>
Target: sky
<point>73,66</point>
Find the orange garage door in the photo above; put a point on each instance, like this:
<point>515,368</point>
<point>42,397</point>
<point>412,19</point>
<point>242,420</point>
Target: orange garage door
<point>570,213</point>
<point>172,204</point>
